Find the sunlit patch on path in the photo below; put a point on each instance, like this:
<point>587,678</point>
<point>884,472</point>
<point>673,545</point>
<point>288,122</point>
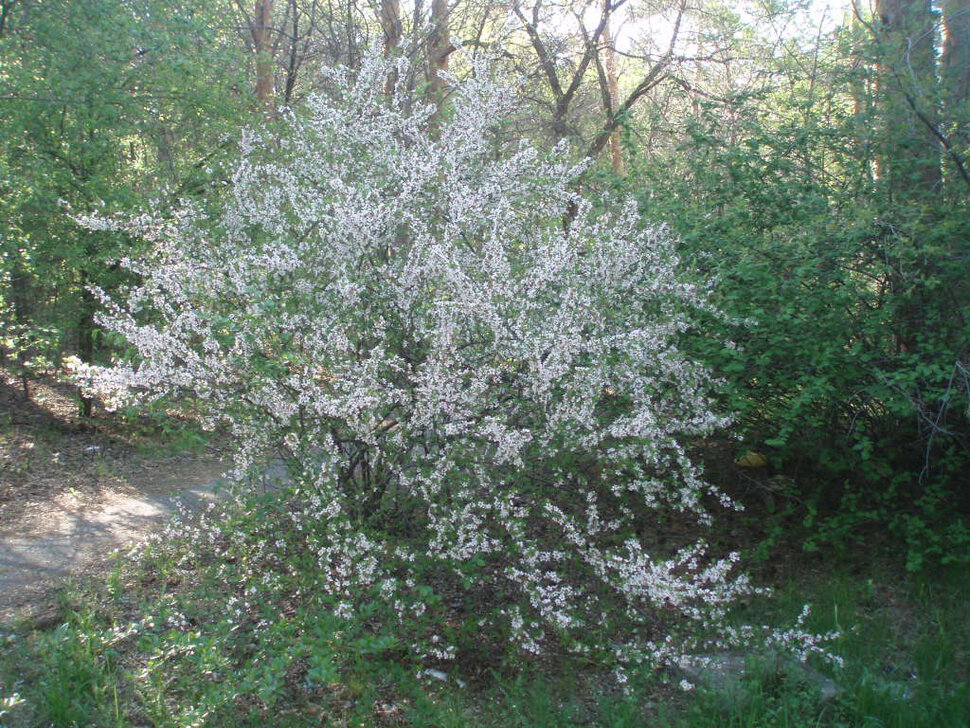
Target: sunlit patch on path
<point>66,537</point>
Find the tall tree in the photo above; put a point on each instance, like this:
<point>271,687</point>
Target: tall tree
<point>610,87</point>
<point>389,13</point>
<point>907,41</point>
<point>956,71</point>
<point>263,49</point>
<point>565,59</point>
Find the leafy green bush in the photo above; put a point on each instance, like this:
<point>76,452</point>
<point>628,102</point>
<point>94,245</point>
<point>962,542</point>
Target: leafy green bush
<point>851,370</point>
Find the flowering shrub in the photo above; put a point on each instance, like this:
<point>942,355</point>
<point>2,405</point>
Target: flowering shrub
<point>472,377</point>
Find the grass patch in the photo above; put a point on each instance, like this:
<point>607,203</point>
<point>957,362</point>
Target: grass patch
<point>68,676</point>
<point>904,642</point>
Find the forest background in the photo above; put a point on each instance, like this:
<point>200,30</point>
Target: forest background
<point>814,164</point>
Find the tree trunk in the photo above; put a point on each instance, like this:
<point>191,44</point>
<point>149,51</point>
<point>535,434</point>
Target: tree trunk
<point>955,71</point>
<point>20,315</point>
<point>85,343</point>
<point>911,152</point>
<point>439,48</point>
<point>293,62</point>
<point>265,86</point>
<point>390,12</point>
<point>391,24</point>
<point>613,91</point>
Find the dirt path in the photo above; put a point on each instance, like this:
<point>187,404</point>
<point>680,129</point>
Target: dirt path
<point>74,533</point>
<point>72,491</point>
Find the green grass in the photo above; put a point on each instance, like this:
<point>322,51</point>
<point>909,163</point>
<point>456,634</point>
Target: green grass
<point>904,645</point>
<point>68,676</point>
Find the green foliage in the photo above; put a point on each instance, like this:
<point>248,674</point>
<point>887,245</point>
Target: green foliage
<point>766,697</point>
<point>104,106</point>
<point>851,363</point>
<point>167,651</point>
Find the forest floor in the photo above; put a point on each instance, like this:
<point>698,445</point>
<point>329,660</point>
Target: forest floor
<point>72,492</point>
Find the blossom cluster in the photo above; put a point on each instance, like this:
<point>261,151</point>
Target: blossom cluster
<point>471,373</point>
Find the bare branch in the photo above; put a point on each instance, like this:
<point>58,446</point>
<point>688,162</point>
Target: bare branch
<point>545,60</point>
